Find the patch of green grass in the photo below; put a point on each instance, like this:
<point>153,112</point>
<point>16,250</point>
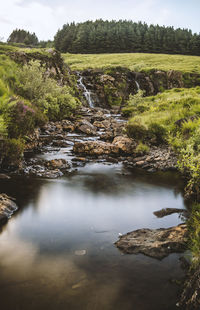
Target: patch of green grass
<point>171,117</point>
<point>134,61</point>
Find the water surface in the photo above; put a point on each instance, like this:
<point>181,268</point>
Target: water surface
<point>57,251</point>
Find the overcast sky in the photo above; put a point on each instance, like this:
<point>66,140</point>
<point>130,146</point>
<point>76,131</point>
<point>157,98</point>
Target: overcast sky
<point>45,17</point>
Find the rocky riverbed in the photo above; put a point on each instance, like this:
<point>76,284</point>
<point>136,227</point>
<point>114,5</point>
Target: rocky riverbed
<point>95,134</point>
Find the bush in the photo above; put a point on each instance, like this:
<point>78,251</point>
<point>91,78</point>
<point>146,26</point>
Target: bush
<point>12,152</point>
<point>158,131</point>
<point>136,130</point>
<point>142,149</point>
<point>55,101</point>
<point>21,120</point>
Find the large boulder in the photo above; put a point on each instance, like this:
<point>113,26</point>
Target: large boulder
<point>125,144</point>
<point>157,243</point>
<point>95,148</point>
<point>86,127</point>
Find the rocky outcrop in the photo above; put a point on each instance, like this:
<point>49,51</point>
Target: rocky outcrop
<point>50,58</point>
<point>158,158</point>
<point>190,297</point>
<point>7,207</point>
<point>95,148</point>
<point>113,87</point>
<point>156,243</point>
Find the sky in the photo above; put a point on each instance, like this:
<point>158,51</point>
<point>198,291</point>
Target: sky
<point>45,17</point>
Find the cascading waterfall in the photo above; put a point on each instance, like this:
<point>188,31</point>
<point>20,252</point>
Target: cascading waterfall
<point>86,92</point>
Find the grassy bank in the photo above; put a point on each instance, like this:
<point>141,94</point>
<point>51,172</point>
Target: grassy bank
<point>34,88</point>
<point>134,61</point>
<point>171,117</point>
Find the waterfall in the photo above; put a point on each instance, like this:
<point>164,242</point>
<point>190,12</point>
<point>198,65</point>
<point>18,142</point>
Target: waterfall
<point>86,92</point>
<point>138,85</point>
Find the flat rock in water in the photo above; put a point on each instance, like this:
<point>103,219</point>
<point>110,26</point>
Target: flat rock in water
<point>168,211</point>
<point>156,243</point>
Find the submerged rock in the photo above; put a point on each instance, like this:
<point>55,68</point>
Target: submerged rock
<point>7,207</point>
<point>156,243</point>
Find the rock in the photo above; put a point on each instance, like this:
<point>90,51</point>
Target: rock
<point>125,144</point>
<point>61,164</point>
<point>190,297</point>
<point>86,127</point>
<point>7,207</point>
<point>168,211</point>
<point>4,176</point>
<point>95,148</point>
<point>99,124</point>
<point>157,243</point>
<point>80,252</point>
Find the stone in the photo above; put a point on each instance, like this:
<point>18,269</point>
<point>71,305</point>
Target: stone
<point>168,211</point>
<point>86,127</point>
<point>156,243</point>
<point>125,144</point>
<point>57,164</point>
<point>95,148</point>
<point>7,207</point>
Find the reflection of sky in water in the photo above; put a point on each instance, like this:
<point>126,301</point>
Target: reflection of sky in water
<point>87,211</point>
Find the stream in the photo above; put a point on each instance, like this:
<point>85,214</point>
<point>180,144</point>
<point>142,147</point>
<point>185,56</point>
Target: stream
<point>57,251</point>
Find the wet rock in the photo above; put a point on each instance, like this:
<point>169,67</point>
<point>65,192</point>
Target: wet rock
<point>158,158</point>
<point>190,297</point>
<point>86,127</point>
<point>61,164</point>
<point>4,176</point>
<point>7,207</point>
<point>95,148</point>
<point>125,144</point>
<point>168,211</point>
<point>157,243</point>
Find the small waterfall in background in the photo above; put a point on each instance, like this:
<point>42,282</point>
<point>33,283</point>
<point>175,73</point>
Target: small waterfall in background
<point>86,92</point>
<point>138,85</point>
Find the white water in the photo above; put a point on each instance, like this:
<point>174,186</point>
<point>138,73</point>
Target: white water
<point>86,92</point>
<point>138,85</point>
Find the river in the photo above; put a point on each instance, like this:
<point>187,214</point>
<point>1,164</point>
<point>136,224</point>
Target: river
<point>57,250</point>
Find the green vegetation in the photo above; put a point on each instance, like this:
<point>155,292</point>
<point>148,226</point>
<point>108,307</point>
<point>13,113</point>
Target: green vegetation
<point>29,96</point>
<point>171,117</point>
<point>125,37</point>
<point>142,149</point>
<point>134,61</point>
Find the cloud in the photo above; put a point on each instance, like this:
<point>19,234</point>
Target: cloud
<point>45,17</point>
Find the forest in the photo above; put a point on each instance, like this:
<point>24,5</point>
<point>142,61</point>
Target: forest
<point>125,37</point>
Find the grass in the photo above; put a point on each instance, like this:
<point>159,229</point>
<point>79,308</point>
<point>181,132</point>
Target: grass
<point>171,117</point>
<point>134,61</point>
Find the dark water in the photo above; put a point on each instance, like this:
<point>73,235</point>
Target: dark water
<point>57,251</point>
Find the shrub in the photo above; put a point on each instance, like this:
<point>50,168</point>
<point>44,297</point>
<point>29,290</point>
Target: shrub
<point>55,101</point>
<point>142,149</point>
<point>135,129</point>
<point>157,130</point>
<point>12,152</point>
<point>21,120</point>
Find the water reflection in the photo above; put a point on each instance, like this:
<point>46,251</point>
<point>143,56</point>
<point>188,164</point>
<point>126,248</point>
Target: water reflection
<point>86,211</point>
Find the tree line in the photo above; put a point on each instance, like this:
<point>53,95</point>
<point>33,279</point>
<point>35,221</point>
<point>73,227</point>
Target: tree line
<point>115,37</point>
<point>125,37</point>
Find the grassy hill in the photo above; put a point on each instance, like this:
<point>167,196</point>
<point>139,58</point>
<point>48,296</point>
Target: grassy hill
<point>134,62</point>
